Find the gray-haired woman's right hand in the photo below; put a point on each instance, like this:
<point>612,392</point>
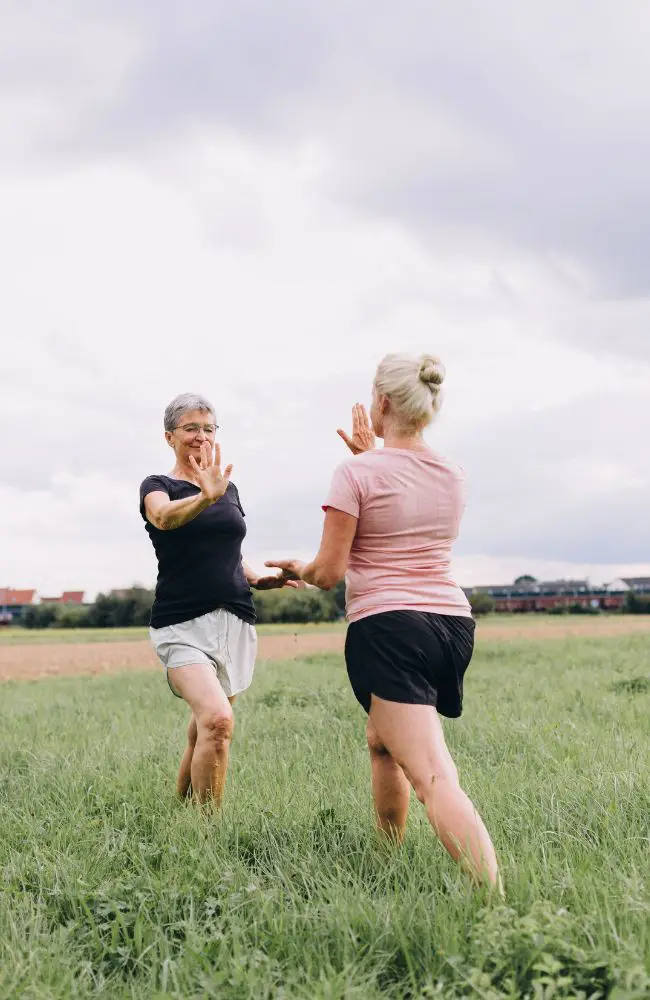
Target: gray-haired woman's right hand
<point>212,482</point>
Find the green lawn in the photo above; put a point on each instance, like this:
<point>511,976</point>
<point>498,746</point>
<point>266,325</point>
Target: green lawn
<point>21,637</point>
<point>24,637</point>
<point>111,888</point>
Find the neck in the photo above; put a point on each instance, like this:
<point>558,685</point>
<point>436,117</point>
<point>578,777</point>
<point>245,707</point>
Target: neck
<point>182,471</point>
<point>396,437</point>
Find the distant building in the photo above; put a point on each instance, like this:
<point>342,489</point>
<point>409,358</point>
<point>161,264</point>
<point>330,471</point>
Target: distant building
<point>536,595</point>
<point>13,603</point>
<point>639,584</point>
<point>67,597</point>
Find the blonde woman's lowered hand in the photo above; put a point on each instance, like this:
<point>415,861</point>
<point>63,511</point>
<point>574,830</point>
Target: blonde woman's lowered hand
<point>212,482</point>
<point>363,438</point>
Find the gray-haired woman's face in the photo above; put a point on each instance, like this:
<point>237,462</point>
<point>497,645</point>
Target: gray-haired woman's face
<point>194,428</point>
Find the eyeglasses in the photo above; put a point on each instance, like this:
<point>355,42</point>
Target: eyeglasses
<point>208,429</point>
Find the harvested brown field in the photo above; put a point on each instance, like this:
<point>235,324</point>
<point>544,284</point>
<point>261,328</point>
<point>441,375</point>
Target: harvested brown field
<point>31,661</point>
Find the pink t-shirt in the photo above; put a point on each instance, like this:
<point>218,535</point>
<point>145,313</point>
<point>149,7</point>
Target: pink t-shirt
<point>409,505</point>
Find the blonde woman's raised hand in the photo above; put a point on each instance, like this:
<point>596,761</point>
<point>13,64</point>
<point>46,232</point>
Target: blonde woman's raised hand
<point>212,482</point>
<point>363,438</point>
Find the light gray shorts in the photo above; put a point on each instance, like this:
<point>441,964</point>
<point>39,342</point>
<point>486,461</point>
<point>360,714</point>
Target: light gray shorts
<point>219,638</point>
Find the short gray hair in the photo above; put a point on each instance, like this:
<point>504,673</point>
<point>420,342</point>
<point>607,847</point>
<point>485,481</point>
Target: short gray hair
<point>183,404</point>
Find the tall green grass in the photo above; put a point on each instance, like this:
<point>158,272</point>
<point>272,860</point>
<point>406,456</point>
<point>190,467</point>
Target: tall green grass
<point>111,888</point>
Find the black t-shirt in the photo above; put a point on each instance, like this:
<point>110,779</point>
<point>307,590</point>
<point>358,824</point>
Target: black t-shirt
<point>199,565</point>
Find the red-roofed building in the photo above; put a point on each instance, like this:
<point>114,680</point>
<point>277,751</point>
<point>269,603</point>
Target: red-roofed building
<point>67,597</point>
<point>72,597</point>
<point>12,603</point>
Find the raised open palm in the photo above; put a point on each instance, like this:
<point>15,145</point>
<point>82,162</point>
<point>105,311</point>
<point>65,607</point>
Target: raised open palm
<point>363,438</point>
<point>212,482</point>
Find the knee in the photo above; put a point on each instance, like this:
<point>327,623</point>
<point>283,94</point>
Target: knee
<point>191,733</point>
<point>433,779</point>
<point>217,727</point>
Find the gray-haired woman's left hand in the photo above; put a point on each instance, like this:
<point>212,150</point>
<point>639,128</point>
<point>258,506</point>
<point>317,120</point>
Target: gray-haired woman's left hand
<point>276,581</point>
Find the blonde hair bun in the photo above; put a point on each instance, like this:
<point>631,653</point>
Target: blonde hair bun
<point>431,371</point>
<point>412,384</point>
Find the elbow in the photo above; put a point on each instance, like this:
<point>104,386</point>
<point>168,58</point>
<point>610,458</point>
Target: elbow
<point>325,578</point>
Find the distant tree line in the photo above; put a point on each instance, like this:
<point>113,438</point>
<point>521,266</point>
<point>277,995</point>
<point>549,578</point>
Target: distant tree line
<point>133,606</point>
<point>113,610</point>
<point>637,604</point>
<point>289,605</point>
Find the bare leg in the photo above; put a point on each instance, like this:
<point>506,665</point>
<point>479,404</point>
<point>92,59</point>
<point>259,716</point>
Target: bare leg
<point>184,780</point>
<point>197,683</point>
<point>390,789</point>
<point>413,735</point>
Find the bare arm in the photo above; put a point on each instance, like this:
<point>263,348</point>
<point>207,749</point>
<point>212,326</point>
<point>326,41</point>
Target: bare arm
<point>251,576</point>
<point>329,566</point>
<point>331,563</point>
<point>167,514</point>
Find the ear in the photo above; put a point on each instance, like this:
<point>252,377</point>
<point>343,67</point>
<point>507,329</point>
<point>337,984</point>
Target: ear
<point>169,438</point>
<point>384,405</point>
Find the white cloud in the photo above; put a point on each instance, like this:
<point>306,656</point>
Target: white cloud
<point>270,265</point>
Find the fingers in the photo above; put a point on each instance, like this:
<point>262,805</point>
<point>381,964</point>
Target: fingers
<point>217,455</point>
<point>364,416</point>
<point>276,582</point>
<point>270,582</point>
<point>291,568</point>
<point>341,433</point>
<point>194,464</point>
<point>227,471</point>
<point>205,455</point>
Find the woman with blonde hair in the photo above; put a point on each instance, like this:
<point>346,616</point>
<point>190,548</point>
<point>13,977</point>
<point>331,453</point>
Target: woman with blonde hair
<point>391,517</point>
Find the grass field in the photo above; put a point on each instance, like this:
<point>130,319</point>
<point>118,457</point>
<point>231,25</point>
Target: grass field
<point>111,888</point>
<point>499,626</point>
<point>17,636</point>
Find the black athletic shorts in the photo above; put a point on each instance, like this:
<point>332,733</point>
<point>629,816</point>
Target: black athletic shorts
<point>413,657</point>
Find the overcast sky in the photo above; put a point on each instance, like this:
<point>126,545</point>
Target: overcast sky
<point>257,201</point>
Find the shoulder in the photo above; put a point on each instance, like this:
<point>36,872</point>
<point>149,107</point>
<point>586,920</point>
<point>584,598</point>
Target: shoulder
<point>352,477</point>
<point>356,465</point>
<point>154,484</point>
<point>454,469</point>
<point>233,495</point>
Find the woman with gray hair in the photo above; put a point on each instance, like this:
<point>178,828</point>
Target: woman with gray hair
<point>391,517</point>
<point>203,616</point>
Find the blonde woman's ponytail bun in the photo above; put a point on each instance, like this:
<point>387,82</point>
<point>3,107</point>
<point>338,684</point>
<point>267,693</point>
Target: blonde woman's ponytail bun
<point>412,385</point>
<point>431,371</point>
